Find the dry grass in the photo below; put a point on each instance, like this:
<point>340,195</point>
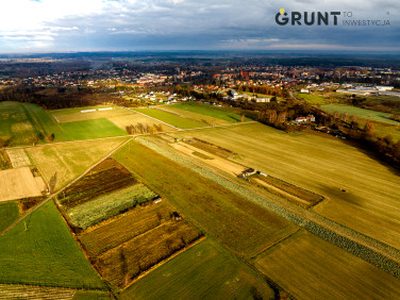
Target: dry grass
<point>311,268</point>
<point>70,160</point>
<point>134,118</point>
<point>121,265</point>
<point>371,204</point>
<point>124,227</point>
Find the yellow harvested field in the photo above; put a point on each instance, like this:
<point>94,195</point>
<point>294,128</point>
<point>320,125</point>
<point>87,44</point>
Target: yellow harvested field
<point>311,268</point>
<point>18,158</point>
<point>19,183</point>
<point>361,193</point>
<point>75,114</point>
<point>211,159</point>
<point>133,118</point>
<point>207,120</point>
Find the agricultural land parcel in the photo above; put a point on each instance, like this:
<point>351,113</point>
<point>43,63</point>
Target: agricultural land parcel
<point>45,254</point>
<point>20,183</point>
<point>241,225</point>
<point>383,125</point>
<point>360,113</point>
<point>170,118</point>
<point>311,268</point>
<point>20,121</point>
<point>8,213</point>
<point>105,192</point>
<point>75,114</point>
<point>205,271</point>
<point>119,116</point>
<point>18,292</point>
<point>371,204</point>
<point>205,112</point>
<point>70,160</point>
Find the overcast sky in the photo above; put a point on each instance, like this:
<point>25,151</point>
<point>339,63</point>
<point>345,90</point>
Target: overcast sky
<point>98,25</point>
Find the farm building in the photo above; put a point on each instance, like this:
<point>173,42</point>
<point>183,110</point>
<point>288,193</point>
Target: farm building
<point>309,118</point>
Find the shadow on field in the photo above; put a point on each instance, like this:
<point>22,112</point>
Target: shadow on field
<point>390,165</point>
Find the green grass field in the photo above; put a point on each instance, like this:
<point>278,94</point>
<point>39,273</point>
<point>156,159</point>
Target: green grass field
<point>325,166</point>
<point>235,221</point>
<point>207,110</point>
<point>15,123</point>
<point>206,271</point>
<point>311,268</point>
<point>45,254</point>
<point>314,99</point>
<point>71,159</point>
<point>8,213</point>
<point>360,113</point>
<point>91,129</point>
<point>91,295</point>
<point>22,120</point>
<point>174,120</point>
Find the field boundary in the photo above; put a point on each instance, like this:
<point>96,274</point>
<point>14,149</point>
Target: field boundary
<point>21,218</point>
<point>373,251</point>
<point>148,271</point>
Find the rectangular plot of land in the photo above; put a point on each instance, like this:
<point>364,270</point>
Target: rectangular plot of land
<point>311,268</point>
<point>19,183</point>
<point>18,158</point>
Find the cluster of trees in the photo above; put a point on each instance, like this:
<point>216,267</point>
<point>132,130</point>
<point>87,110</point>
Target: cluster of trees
<point>141,128</point>
<point>56,98</point>
<point>264,89</point>
<point>385,146</point>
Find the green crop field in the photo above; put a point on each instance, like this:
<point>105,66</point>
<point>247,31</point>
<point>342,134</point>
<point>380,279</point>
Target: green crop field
<point>235,221</point>
<point>91,129</point>
<point>371,203</point>
<point>74,114</point>
<point>206,271</point>
<point>16,123</point>
<point>311,268</point>
<point>20,121</point>
<point>71,159</point>
<point>315,99</point>
<point>207,110</point>
<point>45,254</point>
<point>360,113</point>
<point>91,295</point>
<point>109,205</point>
<point>8,213</point>
<point>172,119</point>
